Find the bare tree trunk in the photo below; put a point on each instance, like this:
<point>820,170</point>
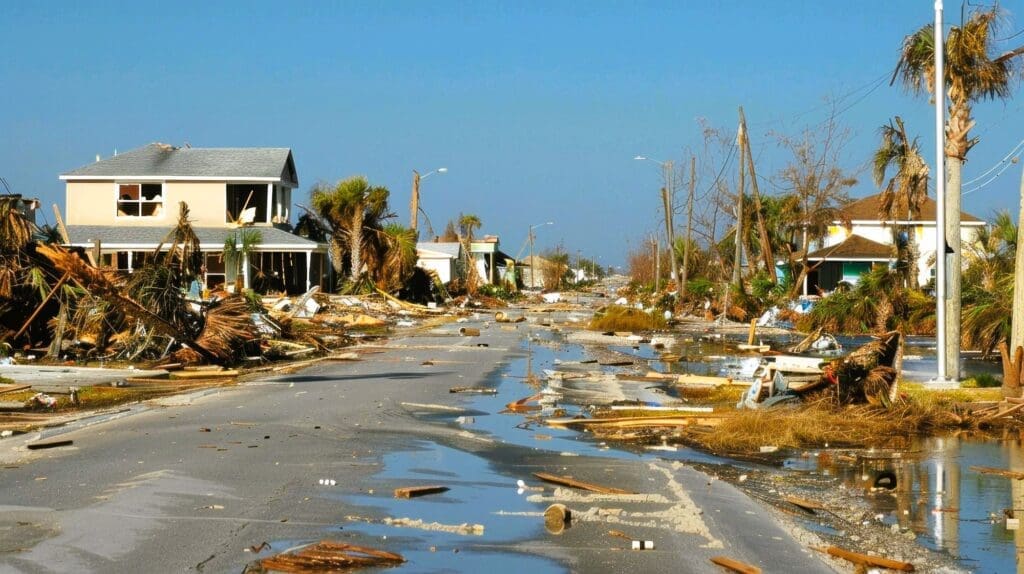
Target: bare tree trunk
<point>739,210</point>
<point>953,270</point>
<point>689,227</point>
<point>355,242</point>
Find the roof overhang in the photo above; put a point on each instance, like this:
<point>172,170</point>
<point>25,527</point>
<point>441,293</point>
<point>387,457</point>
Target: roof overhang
<point>878,223</point>
<point>214,247</point>
<point>170,178</point>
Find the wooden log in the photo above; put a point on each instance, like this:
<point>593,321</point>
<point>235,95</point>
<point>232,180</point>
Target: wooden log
<point>634,422</point>
<point>858,558</point>
<point>804,503</point>
<point>474,390</point>
<point>50,444</point>
<point>735,565</point>
<point>13,388</point>
<point>571,482</point>
<point>557,518</point>
<point>998,471</point>
<point>469,332</point>
<point>416,491</point>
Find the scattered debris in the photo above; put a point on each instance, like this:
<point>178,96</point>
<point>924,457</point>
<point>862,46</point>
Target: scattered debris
<point>469,332</point>
<point>642,545</point>
<point>474,390</point>
<point>998,471</point>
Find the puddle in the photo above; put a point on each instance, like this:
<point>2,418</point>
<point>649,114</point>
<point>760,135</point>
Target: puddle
<point>946,504</point>
<point>477,494</point>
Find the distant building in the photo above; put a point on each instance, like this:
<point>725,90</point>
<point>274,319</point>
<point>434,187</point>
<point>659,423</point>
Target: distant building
<point>129,202</point>
<point>440,257</point>
<point>849,251</point>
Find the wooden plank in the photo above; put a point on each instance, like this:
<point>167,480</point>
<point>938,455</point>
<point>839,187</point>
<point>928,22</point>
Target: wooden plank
<point>858,558</point>
<point>415,491</point>
<point>13,388</point>
<point>634,422</point>
<point>571,482</point>
<point>998,471</point>
<point>689,379</point>
<point>735,565</point>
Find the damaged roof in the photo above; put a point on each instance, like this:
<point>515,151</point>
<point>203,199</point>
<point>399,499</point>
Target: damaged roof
<point>162,161</point>
<point>855,247</point>
<point>451,250</point>
<point>210,238</point>
<point>866,209</point>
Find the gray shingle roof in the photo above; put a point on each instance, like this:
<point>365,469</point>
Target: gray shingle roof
<point>211,238</point>
<point>164,161</point>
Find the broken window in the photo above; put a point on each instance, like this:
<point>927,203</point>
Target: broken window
<point>247,203</point>
<point>215,275</point>
<point>140,199</point>
<point>282,204</point>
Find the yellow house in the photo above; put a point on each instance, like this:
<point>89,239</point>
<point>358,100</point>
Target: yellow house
<point>124,206</point>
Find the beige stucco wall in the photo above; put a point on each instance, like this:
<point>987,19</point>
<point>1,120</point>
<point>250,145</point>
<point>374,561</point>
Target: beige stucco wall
<point>95,203</point>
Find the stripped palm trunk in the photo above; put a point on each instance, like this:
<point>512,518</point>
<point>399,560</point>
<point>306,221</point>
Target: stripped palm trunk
<point>355,242</point>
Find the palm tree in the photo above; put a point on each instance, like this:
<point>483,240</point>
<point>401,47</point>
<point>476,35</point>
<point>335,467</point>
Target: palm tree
<point>988,281</point>
<point>904,193</point>
<point>973,72</point>
<point>350,208</point>
<point>391,256</point>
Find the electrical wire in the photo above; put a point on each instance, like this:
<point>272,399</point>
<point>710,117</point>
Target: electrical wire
<point>1013,152</point>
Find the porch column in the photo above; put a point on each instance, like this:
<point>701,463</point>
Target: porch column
<point>131,263</point>
<point>805,285</point>
<point>309,269</point>
<point>270,203</point>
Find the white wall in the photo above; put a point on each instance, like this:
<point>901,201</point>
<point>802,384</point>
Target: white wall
<point>443,267</point>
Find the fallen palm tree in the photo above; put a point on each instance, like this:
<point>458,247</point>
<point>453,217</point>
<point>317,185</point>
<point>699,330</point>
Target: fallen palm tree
<point>329,556</point>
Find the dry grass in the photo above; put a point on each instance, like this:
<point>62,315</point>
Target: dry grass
<point>712,396</point>
<point>819,424</point>
<point>618,318</point>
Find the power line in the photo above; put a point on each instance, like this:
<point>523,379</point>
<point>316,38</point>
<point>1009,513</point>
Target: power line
<point>1013,151</point>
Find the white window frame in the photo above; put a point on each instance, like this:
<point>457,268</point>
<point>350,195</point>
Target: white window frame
<point>162,203</point>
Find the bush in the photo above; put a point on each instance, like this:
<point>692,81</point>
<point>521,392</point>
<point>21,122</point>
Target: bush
<point>982,381</point>
<point>618,318</point>
<point>498,292</point>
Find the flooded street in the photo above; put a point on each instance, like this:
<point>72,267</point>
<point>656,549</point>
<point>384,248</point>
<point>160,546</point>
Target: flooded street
<point>947,507</point>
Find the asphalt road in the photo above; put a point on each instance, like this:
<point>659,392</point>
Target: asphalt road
<point>188,485</point>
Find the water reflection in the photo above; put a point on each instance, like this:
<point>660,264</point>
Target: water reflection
<point>937,496</point>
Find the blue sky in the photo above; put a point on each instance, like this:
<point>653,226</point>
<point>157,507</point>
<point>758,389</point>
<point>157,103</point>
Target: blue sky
<point>536,108</point>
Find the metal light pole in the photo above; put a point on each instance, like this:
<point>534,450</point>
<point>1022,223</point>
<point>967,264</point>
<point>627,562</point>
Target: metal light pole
<point>940,199</point>
<point>533,268</point>
<point>414,204</point>
<point>666,199</point>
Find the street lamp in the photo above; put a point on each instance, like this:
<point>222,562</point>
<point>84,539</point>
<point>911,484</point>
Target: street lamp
<point>666,199</point>
<point>533,268</point>
<point>414,205</point>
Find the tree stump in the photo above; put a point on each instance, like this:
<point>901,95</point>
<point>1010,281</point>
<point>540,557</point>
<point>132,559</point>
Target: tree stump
<point>1012,371</point>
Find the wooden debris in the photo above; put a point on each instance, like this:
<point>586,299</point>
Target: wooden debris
<point>328,556</point>
<point>204,374</point>
<point>1003,413</point>
<point>416,491</point>
<point>50,444</point>
<point>735,565</point>
<point>522,406</point>
<point>614,362</point>
<point>998,471</point>
<point>469,332</point>
<point>619,534</point>
<point>868,560</point>
<point>804,503</point>
<point>474,390</point>
<point>571,482</point>
<point>701,380</point>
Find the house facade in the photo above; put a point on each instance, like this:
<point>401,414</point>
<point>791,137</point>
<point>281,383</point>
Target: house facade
<point>122,207</point>
<point>860,240</point>
<point>440,257</point>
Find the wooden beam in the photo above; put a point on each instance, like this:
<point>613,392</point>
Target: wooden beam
<point>572,482</point>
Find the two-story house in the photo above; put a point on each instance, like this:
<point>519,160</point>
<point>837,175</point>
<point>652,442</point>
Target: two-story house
<point>124,206</point>
<point>859,239</point>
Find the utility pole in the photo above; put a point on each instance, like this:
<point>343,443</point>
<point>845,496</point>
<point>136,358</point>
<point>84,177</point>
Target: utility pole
<point>944,345</point>
<point>666,199</point>
<point>766,244</point>
<point>414,204</point>
<point>738,256</point>
<point>533,262</point>
<point>689,227</point>
<point>1017,324</point>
